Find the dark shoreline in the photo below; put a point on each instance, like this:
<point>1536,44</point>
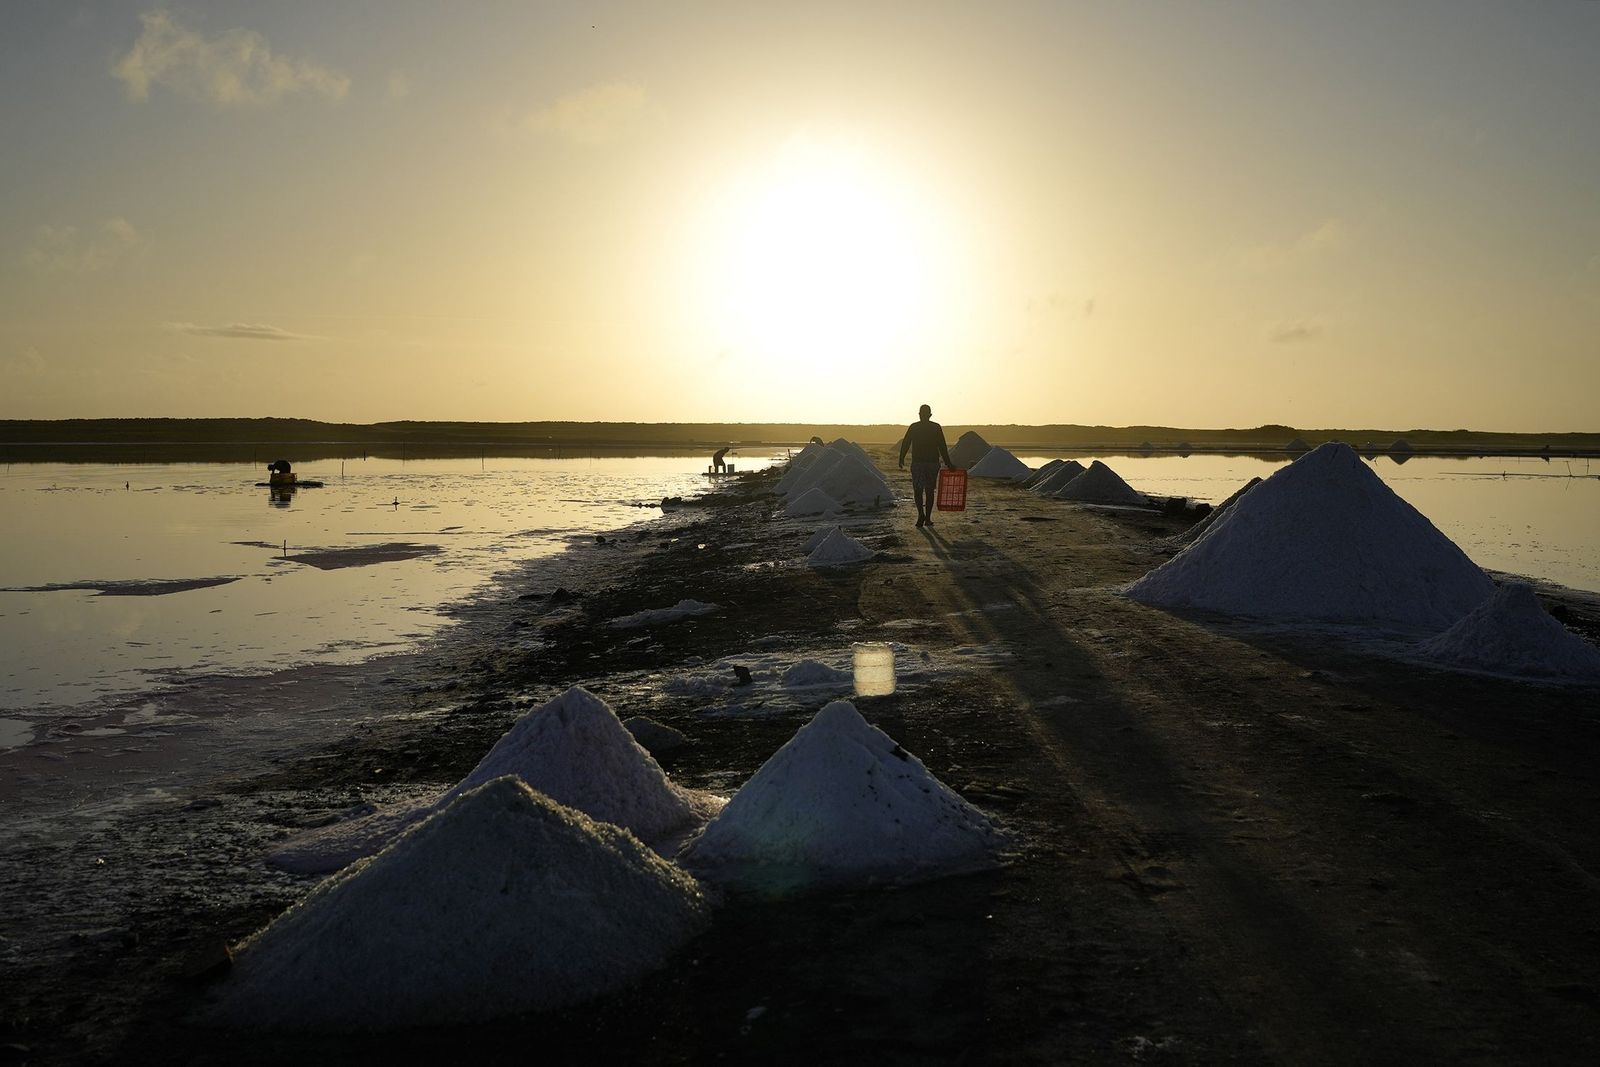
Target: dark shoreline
<point>260,440</point>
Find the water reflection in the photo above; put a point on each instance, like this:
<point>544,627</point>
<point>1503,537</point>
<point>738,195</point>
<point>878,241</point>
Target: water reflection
<point>408,537</point>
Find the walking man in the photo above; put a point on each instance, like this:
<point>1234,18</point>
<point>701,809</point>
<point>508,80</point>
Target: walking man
<point>925,441</point>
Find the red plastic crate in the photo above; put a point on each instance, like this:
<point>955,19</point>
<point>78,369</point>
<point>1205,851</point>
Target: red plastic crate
<point>952,493</point>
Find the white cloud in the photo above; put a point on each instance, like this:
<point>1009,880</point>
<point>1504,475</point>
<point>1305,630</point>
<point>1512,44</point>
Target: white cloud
<point>240,331</point>
<point>235,67</point>
<point>1293,332</point>
<point>591,116</point>
<point>67,250</point>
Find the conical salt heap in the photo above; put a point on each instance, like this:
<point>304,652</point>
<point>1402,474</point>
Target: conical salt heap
<point>573,749</point>
<point>812,473</point>
<point>1322,539</point>
<point>1058,479</point>
<point>811,502</point>
<point>999,463</point>
<point>838,549</point>
<point>855,481</point>
<point>841,802</point>
<point>1511,633</point>
<point>797,466</point>
<point>1042,473</point>
<point>969,448</point>
<point>1210,518</point>
<point>502,902</point>
<point>1099,485</point>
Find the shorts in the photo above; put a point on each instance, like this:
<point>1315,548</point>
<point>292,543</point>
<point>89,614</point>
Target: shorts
<point>925,476</point>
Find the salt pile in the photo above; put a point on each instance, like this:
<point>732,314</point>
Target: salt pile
<point>1099,485</point>
<point>999,463</point>
<point>1058,479</point>
<point>841,802</point>
<point>817,538</point>
<point>1511,633</point>
<point>1210,518</point>
<point>797,466</point>
<point>502,902</point>
<point>809,673</point>
<point>1325,539</point>
<point>842,472</point>
<point>811,502</point>
<point>573,749</point>
<point>969,448</point>
<point>1297,445</point>
<point>1042,473</point>
<point>838,549</point>
<point>683,609</point>
<point>826,459</point>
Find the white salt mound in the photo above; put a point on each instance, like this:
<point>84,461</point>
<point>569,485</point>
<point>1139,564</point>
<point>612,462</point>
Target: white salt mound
<point>810,673</point>
<point>797,466</point>
<point>812,474</point>
<point>573,749</point>
<point>1099,485</point>
<point>854,481</point>
<point>1042,473</point>
<point>817,538</point>
<point>1210,518</point>
<point>969,448</point>
<point>838,549</point>
<point>1059,478</point>
<point>502,902</point>
<point>841,802</point>
<point>1322,539</point>
<point>999,463</point>
<point>1511,633</point>
<point>811,502</point>
<point>683,609</point>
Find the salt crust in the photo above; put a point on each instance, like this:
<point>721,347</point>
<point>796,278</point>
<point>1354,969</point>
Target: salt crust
<point>573,749</point>
<point>683,609</point>
<point>810,673</point>
<point>502,902</point>
<point>1511,633</point>
<point>969,448</point>
<point>1099,485</point>
<point>1042,473</point>
<point>999,463</point>
<point>841,803</point>
<point>1322,539</point>
<point>811,502</point>
<point>1059,478</point>
<point>838,549</point>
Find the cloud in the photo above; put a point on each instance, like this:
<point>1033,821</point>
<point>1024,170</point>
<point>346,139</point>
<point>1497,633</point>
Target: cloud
<point>1327,237</point>
<point>240,331</point>
<point>232,68</point>
<point>591,116</point>
<point>67,250</point>
<point>1293,332</point>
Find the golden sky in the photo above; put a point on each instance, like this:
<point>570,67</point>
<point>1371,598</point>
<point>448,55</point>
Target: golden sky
<point>1217,214</point>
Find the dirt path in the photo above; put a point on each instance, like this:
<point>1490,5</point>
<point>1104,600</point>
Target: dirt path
<point>1355,861</point>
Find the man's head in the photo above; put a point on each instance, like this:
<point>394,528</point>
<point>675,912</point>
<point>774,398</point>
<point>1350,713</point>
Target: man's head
<point>925,412</point>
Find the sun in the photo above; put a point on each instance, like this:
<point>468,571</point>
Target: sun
<point>824,255</point>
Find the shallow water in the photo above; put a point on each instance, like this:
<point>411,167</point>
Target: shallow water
<point>192,569</point>
<point>1521,516</point>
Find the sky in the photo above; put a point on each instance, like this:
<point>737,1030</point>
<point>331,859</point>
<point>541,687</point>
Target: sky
<point>1374,213</point>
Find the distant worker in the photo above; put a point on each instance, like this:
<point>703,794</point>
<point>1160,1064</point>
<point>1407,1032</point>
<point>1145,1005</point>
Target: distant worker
<point>816,440</point>
<point>925,441</point>
<point>279,466</point>
<point>717,464</point>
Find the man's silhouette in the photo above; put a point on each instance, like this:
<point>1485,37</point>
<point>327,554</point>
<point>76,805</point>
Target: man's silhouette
<point>925,441</point>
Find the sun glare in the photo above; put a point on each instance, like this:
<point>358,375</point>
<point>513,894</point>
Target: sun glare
<point>826,256</point>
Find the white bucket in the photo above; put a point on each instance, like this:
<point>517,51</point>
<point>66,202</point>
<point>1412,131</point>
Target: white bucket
<point>874,669</point>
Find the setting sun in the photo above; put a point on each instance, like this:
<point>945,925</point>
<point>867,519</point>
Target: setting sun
<point>824,253</point>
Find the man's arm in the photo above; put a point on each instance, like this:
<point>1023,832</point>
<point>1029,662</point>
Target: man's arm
<point>943,451</point>
<point>905,445</point>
